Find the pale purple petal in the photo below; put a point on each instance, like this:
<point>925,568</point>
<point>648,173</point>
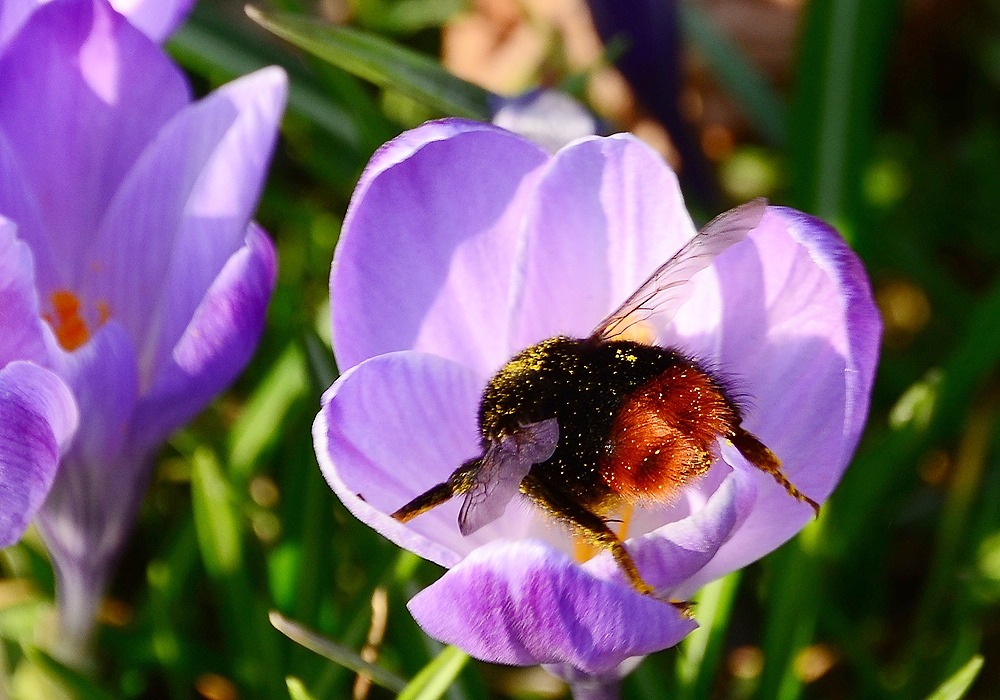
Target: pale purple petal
<point>427,251</point>
<point>800,332</point>
<point>605,213</point>
<point>391,428</point>
<point>156,18</point>
<point>80,59</point>
<point>21,330</point>
<point>218,341</point>
<point>525,603</point>
<point>183,211</point>
<point>37,417</point>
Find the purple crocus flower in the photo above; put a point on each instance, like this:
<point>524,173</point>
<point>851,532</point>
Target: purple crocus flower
<point>465,244</point>
<point>135,245</point>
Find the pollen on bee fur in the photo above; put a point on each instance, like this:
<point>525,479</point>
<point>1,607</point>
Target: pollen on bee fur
<point>627,356</point>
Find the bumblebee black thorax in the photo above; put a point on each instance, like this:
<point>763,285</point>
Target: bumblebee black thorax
<point>581,383</point>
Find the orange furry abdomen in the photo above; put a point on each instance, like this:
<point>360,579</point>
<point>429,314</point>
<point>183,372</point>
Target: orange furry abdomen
<point>664,434</point>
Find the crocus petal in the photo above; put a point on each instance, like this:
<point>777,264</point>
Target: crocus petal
<point>22,328</point>
<point>37,417</point>
<point>526,603</point>
<point>813,342</point>
<point>427,266</point>
<point>217,343</point>
<point>80,58</point>
<point>156,18</point>
<point>605,213</point>
<point>183,211</point>
<point>391,428</point>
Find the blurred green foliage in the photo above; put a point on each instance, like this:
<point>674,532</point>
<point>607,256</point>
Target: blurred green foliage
<point>889,127</point>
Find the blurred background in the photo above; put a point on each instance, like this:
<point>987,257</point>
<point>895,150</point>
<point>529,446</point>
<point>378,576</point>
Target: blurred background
<point>881,116</point>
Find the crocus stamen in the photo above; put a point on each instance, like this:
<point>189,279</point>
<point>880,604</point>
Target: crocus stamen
<point>626,521</point>
<point>71,330</point>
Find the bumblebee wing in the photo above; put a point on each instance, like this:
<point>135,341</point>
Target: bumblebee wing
<point>667,288</point>
<point>506,462</point>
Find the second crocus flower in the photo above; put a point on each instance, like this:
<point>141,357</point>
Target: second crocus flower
<point>152,281</point>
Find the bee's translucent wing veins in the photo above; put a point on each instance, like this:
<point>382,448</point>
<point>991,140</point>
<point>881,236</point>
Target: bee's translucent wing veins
<point>505,464</point>
<point>667,288</point>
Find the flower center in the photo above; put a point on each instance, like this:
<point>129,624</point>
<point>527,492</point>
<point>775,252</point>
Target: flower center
<point>70,328</point>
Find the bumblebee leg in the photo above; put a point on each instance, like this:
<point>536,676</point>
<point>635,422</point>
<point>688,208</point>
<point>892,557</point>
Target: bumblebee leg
<point>458,483</point>
<point>586,524</point>
<point>758,455</point>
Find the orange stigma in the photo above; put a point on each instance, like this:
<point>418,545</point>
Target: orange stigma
<point>70,329</point>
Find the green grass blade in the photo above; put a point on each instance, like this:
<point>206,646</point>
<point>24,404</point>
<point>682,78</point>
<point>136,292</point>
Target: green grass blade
<point>215,518</point>
<point>436,677</point>
<point>956,686</point>
<point>335,652</point>
<point>833,113</point>
<point>297,689</point>
<point>254,431</point>
<point>405,16</point>
<point>381,62</point>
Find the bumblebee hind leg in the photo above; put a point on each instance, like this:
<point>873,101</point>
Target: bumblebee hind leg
<point>758,455</point>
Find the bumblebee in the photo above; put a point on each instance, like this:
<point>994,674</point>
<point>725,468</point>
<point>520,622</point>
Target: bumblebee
<point>585,427</point>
